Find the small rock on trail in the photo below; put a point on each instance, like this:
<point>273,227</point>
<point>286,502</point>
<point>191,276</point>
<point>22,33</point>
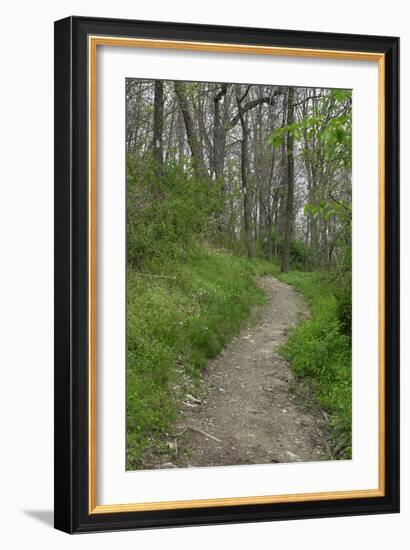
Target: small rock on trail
<point>246,413</point>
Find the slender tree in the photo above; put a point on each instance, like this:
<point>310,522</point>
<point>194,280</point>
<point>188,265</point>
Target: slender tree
<point>281,158</point>
<point>290,173</point>
<point>157,140</point>
<point>247,214</point>
<point>192,136</point>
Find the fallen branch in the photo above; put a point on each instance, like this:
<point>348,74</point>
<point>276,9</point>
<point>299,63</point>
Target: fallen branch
<point>204,433</point>
<point>192,398</point>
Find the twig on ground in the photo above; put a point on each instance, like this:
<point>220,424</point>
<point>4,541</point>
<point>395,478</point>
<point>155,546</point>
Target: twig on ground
<point>204,433</point>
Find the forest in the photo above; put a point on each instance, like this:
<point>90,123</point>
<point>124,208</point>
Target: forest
<point>227,183</point>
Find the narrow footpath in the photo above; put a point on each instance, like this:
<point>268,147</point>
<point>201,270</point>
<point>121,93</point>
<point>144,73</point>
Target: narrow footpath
<point>248,409</point>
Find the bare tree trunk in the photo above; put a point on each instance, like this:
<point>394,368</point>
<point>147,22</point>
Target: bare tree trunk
<point>193,141</point>
<point>159,128</point>
<point>291,184</point>
<point>219,136</point>
<point>169,149</point>
<point>244,176</point>
<point>180,134</point>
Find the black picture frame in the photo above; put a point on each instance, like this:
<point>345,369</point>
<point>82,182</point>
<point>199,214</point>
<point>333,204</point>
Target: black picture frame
<point>72,277</point>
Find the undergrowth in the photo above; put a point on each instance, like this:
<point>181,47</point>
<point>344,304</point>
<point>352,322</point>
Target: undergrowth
<point>186,298</point>
<point>320,352</point>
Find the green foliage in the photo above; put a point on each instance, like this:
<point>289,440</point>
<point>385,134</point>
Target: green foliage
<point>185,299</point>
<point>343,292</point>
<point>166,216</point>
<point>320,351</point>
<point>173,326</point>
<point>341,277</point>
<point>279,134</point>
<point>330,125</point>
<point>341,95</point>
<point>300,254</point>
<point>324,210</point>
<point>338,138</point>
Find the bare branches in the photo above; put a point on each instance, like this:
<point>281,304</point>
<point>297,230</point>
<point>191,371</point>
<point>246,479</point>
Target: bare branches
<point>340,203</point>
<point>307,99</point>
<point>221,93</point>
<point>251,105</point>
<point>237,138</point>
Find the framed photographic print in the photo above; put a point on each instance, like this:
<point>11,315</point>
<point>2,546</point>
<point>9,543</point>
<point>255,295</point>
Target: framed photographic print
<point>226,274</point>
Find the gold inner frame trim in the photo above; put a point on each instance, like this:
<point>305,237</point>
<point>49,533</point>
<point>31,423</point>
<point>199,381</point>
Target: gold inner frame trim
<point>93,42</point>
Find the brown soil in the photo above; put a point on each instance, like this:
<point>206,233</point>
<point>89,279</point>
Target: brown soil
<point>249,409</point>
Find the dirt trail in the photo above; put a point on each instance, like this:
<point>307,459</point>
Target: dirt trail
<point>246,411</point>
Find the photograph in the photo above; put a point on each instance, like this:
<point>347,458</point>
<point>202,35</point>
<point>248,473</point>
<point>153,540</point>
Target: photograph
<point>238,274</point>
<point>226,274</point>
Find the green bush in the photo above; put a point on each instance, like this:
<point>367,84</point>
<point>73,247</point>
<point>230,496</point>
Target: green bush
<point>320,351</point>
<point>300,256</point>
<point>300,253</point>
<point>343,293</point>
<point>344,308</point>
<point>166,216</point>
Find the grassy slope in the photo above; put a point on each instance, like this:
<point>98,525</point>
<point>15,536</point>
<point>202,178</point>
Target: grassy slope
<point>174,325</point>
<point>319,352</point>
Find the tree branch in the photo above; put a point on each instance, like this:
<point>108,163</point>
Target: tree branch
<point>221,93</point>
<point>308,99</point>
<point>251,105</point>
<point>339,203</point>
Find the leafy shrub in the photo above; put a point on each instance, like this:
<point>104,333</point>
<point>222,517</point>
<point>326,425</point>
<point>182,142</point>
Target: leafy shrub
<point>165,216</point>
<point>343,293</point>
<point>319,350</point>
<point>300,254</point>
